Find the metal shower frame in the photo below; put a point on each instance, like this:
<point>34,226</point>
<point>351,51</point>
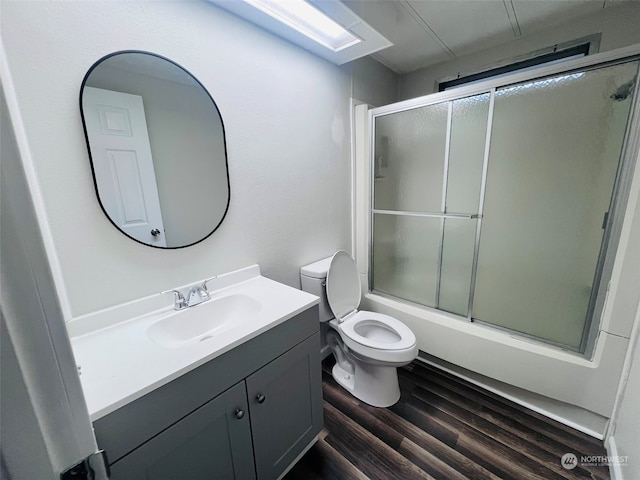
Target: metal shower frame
<point>621,188</point>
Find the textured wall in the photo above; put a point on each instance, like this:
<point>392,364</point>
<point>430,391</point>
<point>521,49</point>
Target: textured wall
<point>286,117</point>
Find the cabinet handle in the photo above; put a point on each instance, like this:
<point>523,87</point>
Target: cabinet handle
<point>239,413</point>
<point>261,398</point>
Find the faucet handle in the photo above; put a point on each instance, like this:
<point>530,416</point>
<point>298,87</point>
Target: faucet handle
<point>179,300</point>
<point>204,283</point>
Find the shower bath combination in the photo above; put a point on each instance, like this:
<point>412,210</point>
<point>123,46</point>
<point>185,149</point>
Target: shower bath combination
<point>496,216</point>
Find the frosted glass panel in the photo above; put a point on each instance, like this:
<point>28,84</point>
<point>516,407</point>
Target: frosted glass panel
<point>457,264</point>
<point>409,159</point>
<point>555,147</point>
<point>466,153</point>
<point>405,257</point>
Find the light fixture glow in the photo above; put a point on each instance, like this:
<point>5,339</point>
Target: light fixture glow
<point>304,18</point>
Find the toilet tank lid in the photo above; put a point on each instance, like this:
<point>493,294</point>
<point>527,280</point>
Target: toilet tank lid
<point>317,269</point>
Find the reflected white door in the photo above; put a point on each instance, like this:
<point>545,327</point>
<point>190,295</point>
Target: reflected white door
<point>122,162</point>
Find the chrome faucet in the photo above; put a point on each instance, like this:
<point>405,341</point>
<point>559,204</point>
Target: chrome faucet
<point>194,295</point>
<point>180,302</point>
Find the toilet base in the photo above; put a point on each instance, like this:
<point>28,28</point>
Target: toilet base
<point>376,385</point>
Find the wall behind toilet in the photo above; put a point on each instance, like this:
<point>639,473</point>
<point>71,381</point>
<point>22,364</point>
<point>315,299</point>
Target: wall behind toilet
<point>286,115</point>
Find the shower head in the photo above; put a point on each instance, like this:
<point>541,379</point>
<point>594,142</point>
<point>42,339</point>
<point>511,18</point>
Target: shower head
<point>623,91</point>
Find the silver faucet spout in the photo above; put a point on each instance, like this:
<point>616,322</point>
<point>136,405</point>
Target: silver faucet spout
<point>197,295</point>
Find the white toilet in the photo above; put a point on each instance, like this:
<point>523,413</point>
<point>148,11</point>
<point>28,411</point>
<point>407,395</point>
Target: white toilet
<point>368,346</point>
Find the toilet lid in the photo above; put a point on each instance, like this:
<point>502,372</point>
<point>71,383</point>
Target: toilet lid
<point>343,285</point>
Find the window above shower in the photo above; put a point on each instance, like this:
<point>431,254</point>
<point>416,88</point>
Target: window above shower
<point>498,207</point>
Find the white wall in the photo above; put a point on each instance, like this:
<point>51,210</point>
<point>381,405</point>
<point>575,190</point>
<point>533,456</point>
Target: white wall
<point>286,118</point>
<point>373,83</point>
<point>618,27</point>
<point>626,429</point>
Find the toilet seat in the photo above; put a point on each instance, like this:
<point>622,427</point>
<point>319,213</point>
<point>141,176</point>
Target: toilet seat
<point>377,330</point>
<point>395,354</point>
<point>373,335</point>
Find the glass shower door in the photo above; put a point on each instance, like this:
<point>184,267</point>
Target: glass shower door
<point>428,173</point>
<point>409,165</point>
<point>495,206</point>
<point>554,154</point>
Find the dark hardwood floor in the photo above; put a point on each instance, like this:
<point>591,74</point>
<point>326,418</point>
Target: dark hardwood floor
<point>442,428</point>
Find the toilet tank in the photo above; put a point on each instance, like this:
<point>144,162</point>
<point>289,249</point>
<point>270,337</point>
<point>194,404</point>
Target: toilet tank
<point>312,279</point>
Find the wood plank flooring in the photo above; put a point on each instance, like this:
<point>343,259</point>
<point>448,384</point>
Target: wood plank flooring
<point>442,428</point>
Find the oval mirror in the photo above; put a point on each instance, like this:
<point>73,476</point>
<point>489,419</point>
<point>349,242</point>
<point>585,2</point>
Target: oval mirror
<point>157,147</point>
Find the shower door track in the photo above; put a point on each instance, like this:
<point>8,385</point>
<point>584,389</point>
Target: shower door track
<point>427,215</point>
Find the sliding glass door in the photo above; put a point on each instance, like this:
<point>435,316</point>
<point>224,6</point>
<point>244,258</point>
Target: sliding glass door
<point>555,148</point>
<point>428,178</point>
<point>494,207</point>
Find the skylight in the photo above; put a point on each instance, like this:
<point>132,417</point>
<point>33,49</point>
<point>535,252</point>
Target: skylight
<point>327,28</point>
<point>304,18</point>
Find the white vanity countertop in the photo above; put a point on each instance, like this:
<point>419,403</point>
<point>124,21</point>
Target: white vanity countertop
<point>121,363</point>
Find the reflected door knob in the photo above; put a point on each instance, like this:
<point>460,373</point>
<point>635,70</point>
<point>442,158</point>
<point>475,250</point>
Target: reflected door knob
<point>155,232</point>
<point>260,398</point>
<point>239,413</point>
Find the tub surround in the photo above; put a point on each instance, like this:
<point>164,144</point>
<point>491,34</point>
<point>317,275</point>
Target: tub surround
<point>119,362</point>
<point>545,370</point>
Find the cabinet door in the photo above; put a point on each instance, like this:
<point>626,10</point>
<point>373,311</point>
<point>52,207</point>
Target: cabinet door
<point>285,403</point>
<point>211,443</point>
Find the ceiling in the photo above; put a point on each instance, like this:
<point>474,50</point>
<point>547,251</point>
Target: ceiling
<point>426,32</point>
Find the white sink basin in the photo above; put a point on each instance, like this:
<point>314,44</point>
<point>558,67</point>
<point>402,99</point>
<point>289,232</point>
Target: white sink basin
<point>203,322</point>
<point>156,344</point>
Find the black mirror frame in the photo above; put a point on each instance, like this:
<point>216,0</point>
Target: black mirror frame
<point>86,137</point>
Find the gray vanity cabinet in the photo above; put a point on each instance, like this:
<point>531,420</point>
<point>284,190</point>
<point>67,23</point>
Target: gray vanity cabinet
<point>247,414</point>
<point>285,403</point>
<point>208,444</point>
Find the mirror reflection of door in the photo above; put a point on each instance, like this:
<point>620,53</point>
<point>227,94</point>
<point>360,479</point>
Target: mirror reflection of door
<point>185,134</point>
<point>117,133</point>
